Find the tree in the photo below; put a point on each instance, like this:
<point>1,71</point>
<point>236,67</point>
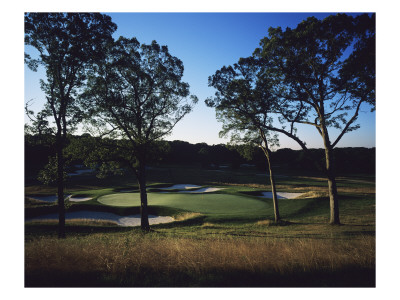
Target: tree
<point>137,95</point>
<point>67,45</point>
<point>244,104</point>
<point>318,82</point>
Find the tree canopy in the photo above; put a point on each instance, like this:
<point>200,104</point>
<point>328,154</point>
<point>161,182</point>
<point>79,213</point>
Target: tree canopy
<point>138,91</point>
<point>319,82</point>
<point>67,44</point>
<point>137,94</point>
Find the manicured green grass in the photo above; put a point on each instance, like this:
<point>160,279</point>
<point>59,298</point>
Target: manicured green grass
<point>202,203</point>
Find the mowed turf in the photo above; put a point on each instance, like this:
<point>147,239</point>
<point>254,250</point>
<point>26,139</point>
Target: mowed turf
<point>202,203</point>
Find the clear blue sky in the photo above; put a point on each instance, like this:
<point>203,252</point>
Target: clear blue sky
<point>205,42</point>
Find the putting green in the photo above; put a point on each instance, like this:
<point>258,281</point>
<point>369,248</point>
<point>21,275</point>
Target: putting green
<point>202,203</point>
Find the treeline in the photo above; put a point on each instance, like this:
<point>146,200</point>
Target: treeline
<point>348,160</point>
<point>38,149</point>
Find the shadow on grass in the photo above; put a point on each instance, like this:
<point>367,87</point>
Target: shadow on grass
<point>350,276</point>
<point>195,221</point>
<point>314,207</point>
<point>31,212</point>
<point>51,230</point>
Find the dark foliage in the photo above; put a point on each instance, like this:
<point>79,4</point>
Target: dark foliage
<point>348,160</point>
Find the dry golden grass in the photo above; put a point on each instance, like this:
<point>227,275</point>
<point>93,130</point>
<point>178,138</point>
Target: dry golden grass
<point>265,222</point>
<point>117,255</point>
<point>313,194</point>
<point>210,225</point>
<point>186,216</point>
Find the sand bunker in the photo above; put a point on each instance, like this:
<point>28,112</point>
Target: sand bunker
<point>181,187</point>
<point>203,190</point>
<point>79,199</point>
<point>281,195</point>
<point>53,198</point>
<point>190,188</point>
<point>125,221</point>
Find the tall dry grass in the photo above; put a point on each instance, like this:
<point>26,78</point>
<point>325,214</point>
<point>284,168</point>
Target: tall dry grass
<point>136,256</point>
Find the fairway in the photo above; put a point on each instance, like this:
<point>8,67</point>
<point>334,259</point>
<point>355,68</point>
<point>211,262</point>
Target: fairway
<point>203,203</point>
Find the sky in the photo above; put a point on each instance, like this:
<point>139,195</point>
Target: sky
<point>205,42</point>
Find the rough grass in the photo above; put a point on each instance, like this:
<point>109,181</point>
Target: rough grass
<point>154,260</point>
<point>186,216</point>
<point>77,222</point>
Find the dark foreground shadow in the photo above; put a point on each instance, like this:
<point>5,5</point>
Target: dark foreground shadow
<point>346,277</point>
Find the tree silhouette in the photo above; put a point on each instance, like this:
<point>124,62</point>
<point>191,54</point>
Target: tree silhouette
<point>318,82</point>
<point>67,44</point>
<point>245,105</point>
<point>137,95</point>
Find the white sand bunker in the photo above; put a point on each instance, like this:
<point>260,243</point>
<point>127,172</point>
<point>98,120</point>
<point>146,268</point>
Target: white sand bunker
<point>281,195</point>
<point>53,198</point>
<point>191,188</point>
<point>203,190</point>
<point>181,187</point>
<point>79,199</point>
<point>125,221</point>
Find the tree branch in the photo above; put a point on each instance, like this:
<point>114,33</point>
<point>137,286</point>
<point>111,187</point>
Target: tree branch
<point>355,116</point>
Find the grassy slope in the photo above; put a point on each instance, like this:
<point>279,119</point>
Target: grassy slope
<point>231,243</point>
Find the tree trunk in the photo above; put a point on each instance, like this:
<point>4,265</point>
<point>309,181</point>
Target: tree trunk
<point>330,172</point>
<point>144,215</point>
<point>272,180</point>
<point>333,196</point>
<point>60,189</point>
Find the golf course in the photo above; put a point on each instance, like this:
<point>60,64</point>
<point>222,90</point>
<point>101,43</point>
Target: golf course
<point>217,150</point>
<point>212,237</point>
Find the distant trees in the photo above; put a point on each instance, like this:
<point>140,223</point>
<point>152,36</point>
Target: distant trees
<point>67,45</point>
<point>318,82</point>
<point>82,150</point>
<point>181,152</point>
<point>137,95</point>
